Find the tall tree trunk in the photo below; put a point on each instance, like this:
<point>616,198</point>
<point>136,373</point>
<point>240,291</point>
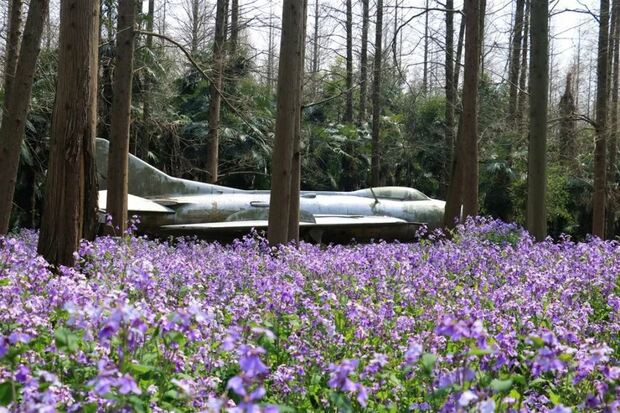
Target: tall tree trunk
<point>450,92</point>
<point>316,64</point>
<point>567,135</point>
<point>195,27</point>
<point>234,27</point>
<point>12,42</point>
<point>147,98</point>
<point>294,211</point>
<point>270,55</point>
<point>459,53</point>
<point>470,106</point>
<point>364,63</point>
<point>538,102</point>
<point>67,199</point>
<point>523,76</point>
<point>348,113</point>
<point>613,136</point>
<point>213,140</point>
<point>426,51</point>
<point>16,102</point>
<point>117,181</point>
<point>376,99</point>
<point>291,57</point>
<point>515,55</point>
<point>600,144</point>
<point>454,196</point>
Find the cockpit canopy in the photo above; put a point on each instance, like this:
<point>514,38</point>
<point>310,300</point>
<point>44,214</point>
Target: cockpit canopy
<point>396,193</point>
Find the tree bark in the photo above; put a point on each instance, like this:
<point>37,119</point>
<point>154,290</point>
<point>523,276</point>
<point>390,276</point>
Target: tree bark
<point>348,113</point>
<point>450,92</point>
<point>364,64</point>
<point>315,50</point>
<point>294,211</point>
<point>195,27</point>
<point>523,76</point>
<point>147,98</point>
<point>538,102</point>
<point>376,100</point>
<point>12,42</point>
<point>613,136</point>
<point>600,144</point>
<point>515,55</point>
<point>16,103</point>
<point>454,196</point>
<point>567,135</point>
<point>270,56</point>
<point>426,51</point>
<point>291,57</point>
<point>67,199</point>
<point>234,27</point>
<point>213,139</point>
<point>120,118</point>
<point>459,54</point>
<point>470,107</point>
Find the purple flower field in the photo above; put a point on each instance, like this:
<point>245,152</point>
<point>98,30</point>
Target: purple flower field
<point>487,321</point>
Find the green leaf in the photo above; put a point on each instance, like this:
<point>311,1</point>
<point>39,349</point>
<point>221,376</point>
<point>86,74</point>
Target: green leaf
<point>4,282</point>
<point>555,398</point>
<point>428,361</point>
<point>501,385</point>
<point>139,369</point>
<point>6,393</point>
<point>89,408</point>
<point>480,351</point>
<point>66,339</point>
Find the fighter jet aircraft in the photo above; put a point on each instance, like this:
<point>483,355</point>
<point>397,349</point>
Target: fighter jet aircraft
<point>174,206</point>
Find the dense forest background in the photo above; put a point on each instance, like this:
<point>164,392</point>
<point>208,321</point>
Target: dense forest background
<point>172,94</point>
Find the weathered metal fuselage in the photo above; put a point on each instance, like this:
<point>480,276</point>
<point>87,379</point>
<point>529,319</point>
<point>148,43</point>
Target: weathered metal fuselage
<point>187,202</point>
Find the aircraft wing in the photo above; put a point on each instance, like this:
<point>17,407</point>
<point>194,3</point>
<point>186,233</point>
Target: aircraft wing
<point>336,228</point>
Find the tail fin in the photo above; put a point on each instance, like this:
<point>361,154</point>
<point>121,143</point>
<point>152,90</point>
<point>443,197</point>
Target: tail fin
<point>148,181</point>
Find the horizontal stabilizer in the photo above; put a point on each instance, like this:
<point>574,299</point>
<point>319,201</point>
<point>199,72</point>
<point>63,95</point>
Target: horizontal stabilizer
<point>332,228</point>
<point>135,204</point>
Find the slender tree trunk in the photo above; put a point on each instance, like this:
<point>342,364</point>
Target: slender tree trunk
<point>234,27</point>
<point>426,50</point>
<point>515,55</point>
<point>213,140</point>
<point>117,181</point>
<point>470,106</point>
<point>291,57</point>
<point>376,100</point>
<point>316,64</point>
<point>538,102</point>
<point>450,92</point>
<point>270,56</point>
<point>459,54</point>
<point>68,202</point>
<point>364,63</point>
<point>481,30</point>
<point>16,102</point>
<point>195,27</point>
<point>294,211</point>
<point>567,135</point>
<point>454,196</point>
<point>613,136</point>
<point>348,113</point>
<point>523,76</point>
<point>600,144</point>
<point>12,42</point>
<point>147,98</point>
